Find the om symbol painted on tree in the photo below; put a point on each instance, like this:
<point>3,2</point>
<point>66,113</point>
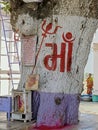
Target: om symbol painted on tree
<point>65,56</point>
<point>66,47</point>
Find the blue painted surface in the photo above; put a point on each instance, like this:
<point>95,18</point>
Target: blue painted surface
<point>6,105</point>
<point>95,98</point>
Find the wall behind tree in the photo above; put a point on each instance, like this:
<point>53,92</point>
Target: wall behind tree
<point>89,68</point>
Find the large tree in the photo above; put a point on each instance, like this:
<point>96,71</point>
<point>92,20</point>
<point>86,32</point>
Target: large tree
<point>62,31</point>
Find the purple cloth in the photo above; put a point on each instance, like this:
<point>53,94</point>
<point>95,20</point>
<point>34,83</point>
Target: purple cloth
<point>57,109</point>
<point>35,104</point>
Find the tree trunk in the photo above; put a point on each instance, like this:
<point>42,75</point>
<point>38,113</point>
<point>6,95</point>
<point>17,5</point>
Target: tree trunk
<point>64,35</point>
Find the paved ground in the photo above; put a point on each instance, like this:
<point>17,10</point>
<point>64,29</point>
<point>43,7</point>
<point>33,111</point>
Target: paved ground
<point>89,107</point>
<point>88,120</point>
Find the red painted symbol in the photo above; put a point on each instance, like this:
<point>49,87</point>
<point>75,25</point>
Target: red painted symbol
<point>53,58</point>
<point>50,61</point>
<point>49,27</point>
<point>46,31</point>
<point>69,40</point>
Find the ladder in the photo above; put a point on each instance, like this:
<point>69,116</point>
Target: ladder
<point>12,43</point>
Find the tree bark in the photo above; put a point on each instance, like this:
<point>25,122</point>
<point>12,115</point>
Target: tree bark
<point>64,36</point>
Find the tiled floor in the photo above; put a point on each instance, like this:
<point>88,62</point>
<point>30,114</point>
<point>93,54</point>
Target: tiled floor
<point>13,125</point>
<point>88,120</point>
<point>89,107</point>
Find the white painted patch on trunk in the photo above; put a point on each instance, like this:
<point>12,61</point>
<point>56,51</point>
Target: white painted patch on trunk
<point>82,30</point>
<point>26,25</point>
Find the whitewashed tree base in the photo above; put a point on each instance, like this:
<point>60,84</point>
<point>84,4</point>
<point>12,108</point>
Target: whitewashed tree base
<point>64,38</point>
<point>66,82</point>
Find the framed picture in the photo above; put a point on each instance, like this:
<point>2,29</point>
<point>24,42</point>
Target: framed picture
<point>32,82</point>
<point>29,50</point>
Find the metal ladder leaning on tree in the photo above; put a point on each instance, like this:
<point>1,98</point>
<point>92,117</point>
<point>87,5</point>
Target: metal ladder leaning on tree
<point>12,44</point>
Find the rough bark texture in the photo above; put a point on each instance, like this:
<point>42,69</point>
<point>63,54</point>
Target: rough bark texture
<point>35,10</point>
<point>84,8</point>
<point>64,31</point>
